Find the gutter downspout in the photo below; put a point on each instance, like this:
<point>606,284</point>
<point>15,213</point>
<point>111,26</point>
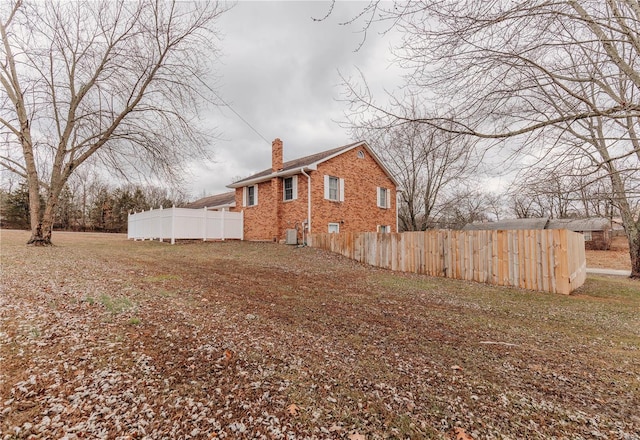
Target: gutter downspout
<point>397,202</point>
<point>308,200</point>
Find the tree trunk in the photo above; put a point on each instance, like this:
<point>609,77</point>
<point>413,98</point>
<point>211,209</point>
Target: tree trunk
<point>42,228</point>
<point>41,235</point>
<point>633,234</point>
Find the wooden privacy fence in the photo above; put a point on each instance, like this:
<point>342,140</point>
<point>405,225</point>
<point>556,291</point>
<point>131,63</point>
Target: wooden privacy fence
<point>183,223</point>
<point>546,260</point>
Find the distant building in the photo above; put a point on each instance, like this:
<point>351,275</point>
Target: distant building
<point>596,230</point>
<point>219,202</point>
<point>508,225</point>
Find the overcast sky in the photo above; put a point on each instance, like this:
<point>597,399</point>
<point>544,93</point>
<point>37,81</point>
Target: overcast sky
<point>279,70</point>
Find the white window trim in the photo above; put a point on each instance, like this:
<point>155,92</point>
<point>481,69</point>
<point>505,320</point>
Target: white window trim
<point>336,225</point>
<point>245,196</point>
<point>387,228</point>
<point>327,179</point>
<point>379,191</point>
<point>294,181</point>
<point>588,236</point>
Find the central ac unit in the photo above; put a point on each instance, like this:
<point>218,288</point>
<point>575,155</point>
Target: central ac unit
<point>292,236</point>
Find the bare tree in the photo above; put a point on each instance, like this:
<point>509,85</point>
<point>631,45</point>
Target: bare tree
<point>426,162</point>
<point>463,206</point>
<point>559,80</point>
<point>116,81</point>
<point>550,190</point>
<point>495,205</point>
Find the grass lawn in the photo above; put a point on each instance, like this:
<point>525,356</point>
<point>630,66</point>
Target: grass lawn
<point>101,337</point>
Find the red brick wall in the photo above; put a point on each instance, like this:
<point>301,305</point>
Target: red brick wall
<point>260,221</point>
<point>359,212</point>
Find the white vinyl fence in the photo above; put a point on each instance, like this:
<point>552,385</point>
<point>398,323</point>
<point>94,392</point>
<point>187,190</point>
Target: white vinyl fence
<point>184,223</point>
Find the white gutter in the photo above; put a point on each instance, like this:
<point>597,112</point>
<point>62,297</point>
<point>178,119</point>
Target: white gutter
<point>308,199</point>
<point>268,177</point>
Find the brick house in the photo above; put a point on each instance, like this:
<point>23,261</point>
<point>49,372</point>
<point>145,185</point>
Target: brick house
<point>340,190</point>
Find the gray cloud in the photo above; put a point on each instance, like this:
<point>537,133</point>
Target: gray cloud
<point>279,71</point>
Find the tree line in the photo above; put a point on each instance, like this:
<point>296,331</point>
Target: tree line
<point>95,206</point>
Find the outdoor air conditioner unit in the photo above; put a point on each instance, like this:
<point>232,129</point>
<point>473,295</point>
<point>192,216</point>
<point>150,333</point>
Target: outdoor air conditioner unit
<point>292,236</point>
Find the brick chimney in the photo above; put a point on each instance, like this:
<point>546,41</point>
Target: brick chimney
<point>276,155</point>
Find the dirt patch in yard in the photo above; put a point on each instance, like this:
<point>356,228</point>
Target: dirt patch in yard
<point>106,338</point>
<point>615,258</point>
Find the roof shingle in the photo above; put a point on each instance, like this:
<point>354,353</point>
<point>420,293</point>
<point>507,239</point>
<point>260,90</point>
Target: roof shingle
<point>299,163</point>
<point>214,201</point>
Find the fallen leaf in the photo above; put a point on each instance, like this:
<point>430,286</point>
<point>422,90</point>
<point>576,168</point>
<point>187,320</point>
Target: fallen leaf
<point>357,437</point>
<point>335,428</point>
<point>456,367</point>
<point>293,409</point>
<point>461,434</point>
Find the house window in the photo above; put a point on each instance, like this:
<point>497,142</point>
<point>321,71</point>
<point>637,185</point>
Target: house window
<point>334,188</point>
<point>251,195</point>
<point>290,188</point>
<point>587,236</point>
<point>384,228</point>
<point>360,154</point>
<point>334,227</point>
<point>383,198</point>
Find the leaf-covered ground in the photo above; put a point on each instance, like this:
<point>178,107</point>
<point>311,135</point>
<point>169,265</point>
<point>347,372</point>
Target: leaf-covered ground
<point>106,338</point>
<point>615,258</point>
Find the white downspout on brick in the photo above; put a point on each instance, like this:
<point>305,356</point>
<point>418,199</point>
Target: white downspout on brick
<point>308,200</point>
<point>397,203</point>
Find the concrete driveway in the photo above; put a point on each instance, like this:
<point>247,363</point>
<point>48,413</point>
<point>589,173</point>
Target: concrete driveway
<point>622,273</point>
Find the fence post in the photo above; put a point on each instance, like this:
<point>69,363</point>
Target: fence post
<point>222,225</point>
<point>173,224</point>
<point>144,237</point>
<point>204,225</point>
<point>135,238</point>
<point>160,239</point>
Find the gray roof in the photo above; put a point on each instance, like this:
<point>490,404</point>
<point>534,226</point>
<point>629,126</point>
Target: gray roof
<point>581,224</point>
<point>215,201</point>
<point>576,225</point>
<point>293,166</point>
<point>507,225</point>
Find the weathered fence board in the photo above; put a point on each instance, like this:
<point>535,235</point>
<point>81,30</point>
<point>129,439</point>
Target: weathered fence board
<point>546,260</point>
<point>183,223</point>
